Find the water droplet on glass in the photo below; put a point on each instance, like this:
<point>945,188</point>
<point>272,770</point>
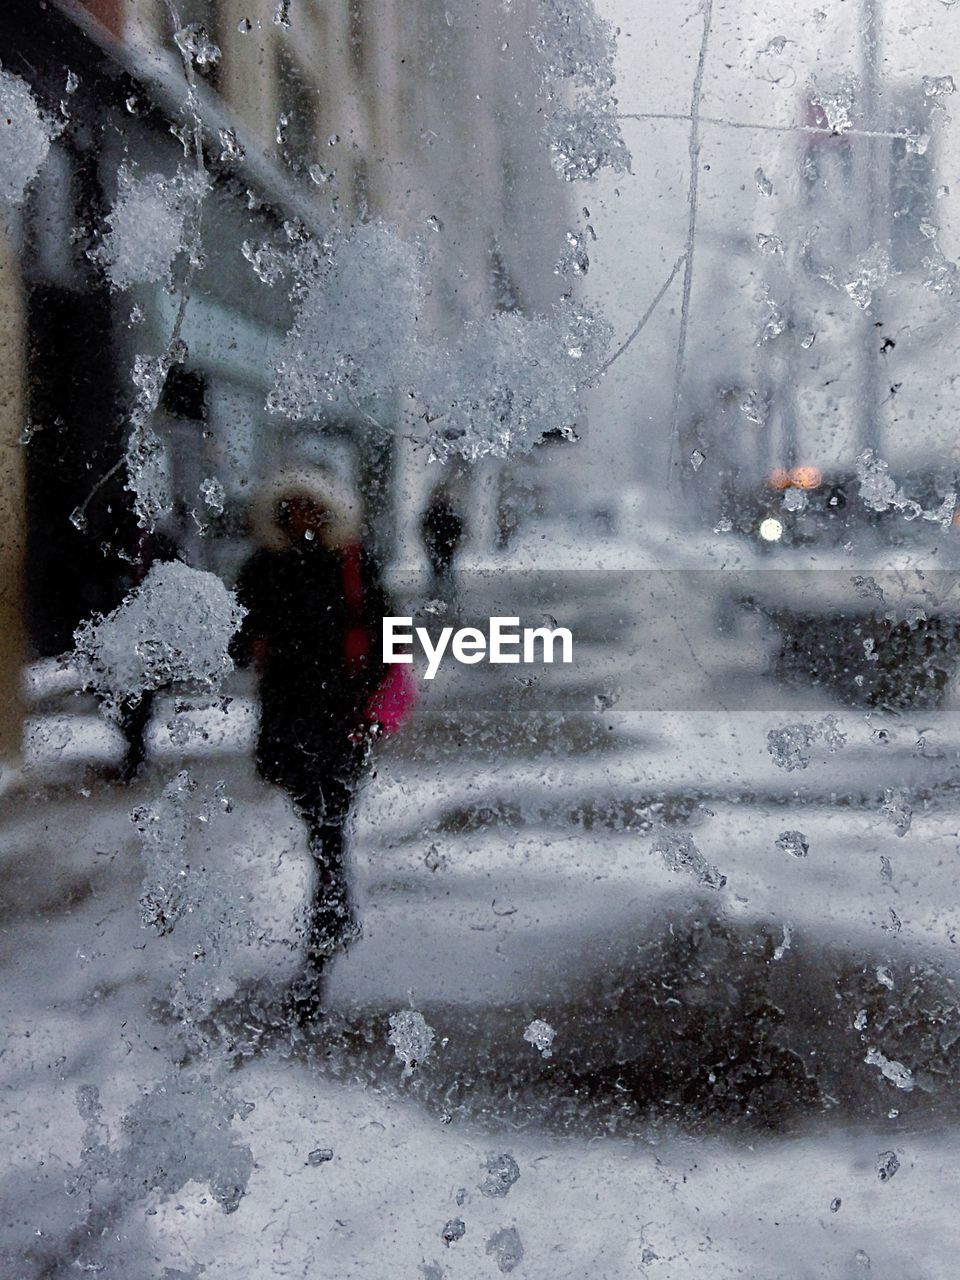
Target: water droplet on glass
<point>412,1038</point>
<point>433,859</point>
<point>502,1172</point>
<point>194,43</point>
<point>213,494</point>
<point>938,86</point>
<point>506,1247</point>
<point>452,1231</point>
<point>794,500</point>
<point>897,810</point>
<point>794,843</point>
<point>541,1035</point>
<point>230,148</point>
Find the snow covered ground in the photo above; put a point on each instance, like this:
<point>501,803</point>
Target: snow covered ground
<point>506,870</point>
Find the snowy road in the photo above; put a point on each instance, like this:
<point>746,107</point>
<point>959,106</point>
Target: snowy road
<point>708,1098</point>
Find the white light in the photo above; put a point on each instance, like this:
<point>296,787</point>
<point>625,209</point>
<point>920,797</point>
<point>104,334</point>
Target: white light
<point>771,530</point>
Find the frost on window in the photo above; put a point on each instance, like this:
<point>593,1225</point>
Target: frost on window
<point>480,662</point>
<point>177,1133</point>
<point>495,388</point>
<point>177,625</point>
<point>577,47</point>
<point>146,227</point>
<point>356,331</point>
<point>25,137</point>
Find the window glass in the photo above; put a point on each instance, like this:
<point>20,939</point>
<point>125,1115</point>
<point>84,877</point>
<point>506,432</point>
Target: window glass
<point>480,629</point>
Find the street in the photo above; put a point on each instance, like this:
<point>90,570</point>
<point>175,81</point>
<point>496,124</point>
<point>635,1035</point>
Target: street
<point>727,1063</point>
<point>631,325</point>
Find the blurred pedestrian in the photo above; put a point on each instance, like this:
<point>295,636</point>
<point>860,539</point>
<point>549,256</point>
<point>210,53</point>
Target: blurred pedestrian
<point>442,528</point>
<point>315,603</point>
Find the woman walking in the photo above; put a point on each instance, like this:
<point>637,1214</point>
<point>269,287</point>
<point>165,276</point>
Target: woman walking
<point>312,630</point>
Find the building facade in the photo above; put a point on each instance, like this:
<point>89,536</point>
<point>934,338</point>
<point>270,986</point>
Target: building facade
<point>426,117</point>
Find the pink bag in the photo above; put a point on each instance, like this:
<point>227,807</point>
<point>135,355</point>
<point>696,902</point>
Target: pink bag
<point>392,704</point>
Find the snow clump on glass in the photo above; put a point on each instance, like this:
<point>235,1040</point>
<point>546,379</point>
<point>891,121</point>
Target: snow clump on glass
<point>577,49</point>
<point>25,138</point>
<point>541,1035</point>
<point>147,225</point>
<point>178,1131</point>
<point>356,329</point>
<point>412,1038</point>
<point>175,626</point>
<point>502,1172</point>
<point>494,388</point>
<point>679,851</point>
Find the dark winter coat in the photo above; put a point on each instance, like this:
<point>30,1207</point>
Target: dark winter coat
<point>313,630</point>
